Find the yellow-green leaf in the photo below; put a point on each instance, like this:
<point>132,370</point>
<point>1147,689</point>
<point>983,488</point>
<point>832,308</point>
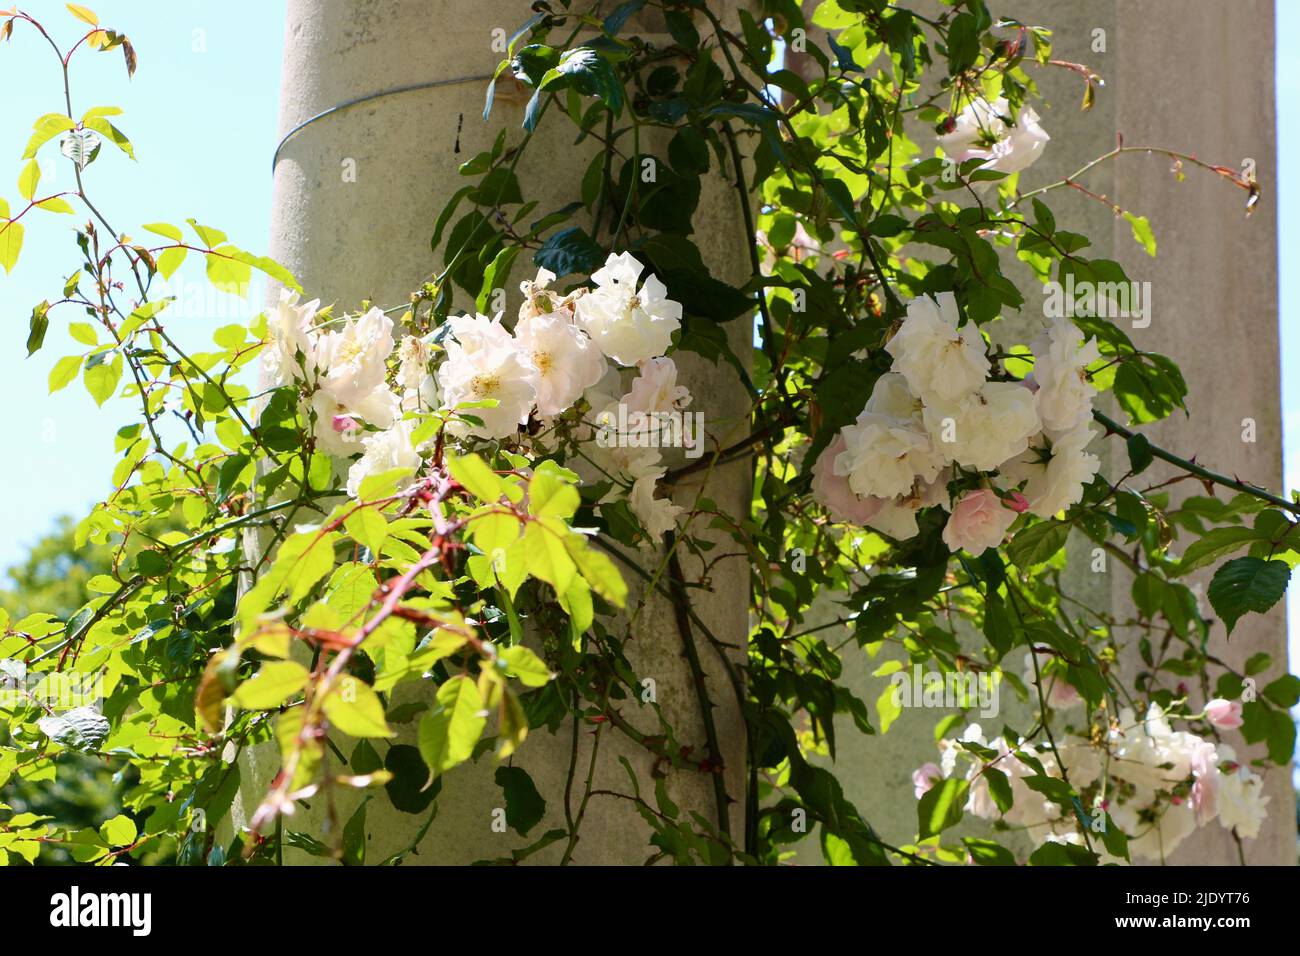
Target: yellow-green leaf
<point>450,730</point>
<point>83,14</point>
<point>597,568</point>
<point>119,831</point>
<point>101,380</point>
<point>83,332</point>
<point>28,179</point>
<point>550,496</point>
<point>56,204</point>
<point>64,371</point>
<point>101,125</point>
<point>367,526</point>
<point>226,273</point>
<point>271,686</point>
<point>546,555</point>
<point>525,666</point>
<point>11,243</point>
<point>479,480</point>
<point>1142,233</point>
<point>45,129</point>
<point>171,260</point>
<point>166,230</point>
<point>354,708</point>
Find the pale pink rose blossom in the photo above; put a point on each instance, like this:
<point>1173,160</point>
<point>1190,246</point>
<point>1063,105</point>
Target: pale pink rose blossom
<point>832,491</point>
<point>1205,789</point>
<point>924,777</point>
<point>978,522</point>
<point>1224,714</point>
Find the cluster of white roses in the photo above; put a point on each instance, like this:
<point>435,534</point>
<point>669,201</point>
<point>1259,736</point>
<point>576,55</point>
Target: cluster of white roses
<point>561,347</point>
<point>936,417</point>
<point>982,131</point>
<point>1159,784</point>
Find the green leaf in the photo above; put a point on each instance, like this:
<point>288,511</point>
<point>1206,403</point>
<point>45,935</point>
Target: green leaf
<point>551,496</point>
<point>598,570</point>
<point>988,853</point>
<point>354,708</point>
<point>166,230</point>
<point>64,371</point>
<point>568,251</point>
<point>367,526</point>
<point>1139,453</point>
<point>450,730</point>
<point>118,138</point>
<point>28,179</point>
<point>1285,691</point>
<point>227,272</point>
<point>547,557</point>
<point>170,260</point>
<point>585,70</point>
<point>11,243</point>
<point>271,686</point>
<point>477,478</point>
<point>46,128</point>
<point>494,277</point>
<point>119,831</point>
<point>1037,543</point>
<point>522,664</point>
<point>1215,544</point>
<point>354,837</point>
<point>82,728</point>
<point>940,807</point>
<point>524,805</point>
<point>101,379</point>
<point>1142,233</point>
<point>1062,854</point>
<point>1247,584</point>
<point>38,324</point>
<point>963,43</point>
<point>84,333</point>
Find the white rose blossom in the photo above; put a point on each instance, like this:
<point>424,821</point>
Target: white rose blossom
<point>982,131</point>
<point>1154,764</point>
<point>562,361</point>
<point>1241,799</point>
<point>484,366</point>
<point>628,324</point>
<point>352,361</point>
<point>384,451</point>
<point>655,388</point>
<point>984,429</point>
<point>884,456</point>
<point>290,324</point>
<point>891,396</point>
<point>338,428</point>
<point>938,360</point>
<point>658,515</point>
<point>1064,395</point>
<point>1056,468</point>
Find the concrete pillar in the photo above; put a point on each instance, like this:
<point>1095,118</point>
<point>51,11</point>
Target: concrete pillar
<point>1195,77</point>
<point>369,239</point>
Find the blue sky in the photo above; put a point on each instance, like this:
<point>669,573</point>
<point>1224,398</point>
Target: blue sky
<point>202,114</point>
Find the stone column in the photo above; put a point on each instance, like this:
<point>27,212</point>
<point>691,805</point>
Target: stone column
<point>357,194</point>
<point>1195,76</point>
